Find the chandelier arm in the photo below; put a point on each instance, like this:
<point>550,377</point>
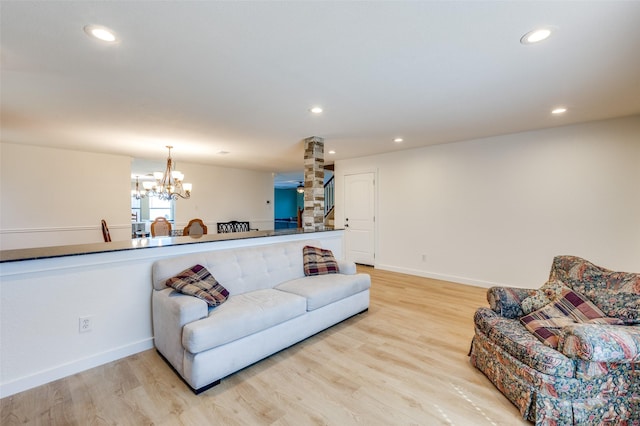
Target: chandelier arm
<point>137,194</point>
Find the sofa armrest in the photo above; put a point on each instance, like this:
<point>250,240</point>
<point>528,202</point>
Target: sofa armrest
<point>601,343</point>
<point>347,268</point>
<point>171,311</point>
<point>181,308</point>
<point>506,301</point>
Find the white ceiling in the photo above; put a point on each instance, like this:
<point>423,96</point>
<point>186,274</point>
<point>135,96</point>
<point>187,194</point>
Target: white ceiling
<point>207,76</point>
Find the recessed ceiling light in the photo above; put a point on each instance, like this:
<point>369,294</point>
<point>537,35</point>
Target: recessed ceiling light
<point>101,33</point>
<point>223,152</point>
<point>535,36</point>
<point>559,110</point>
<point>332,152</point>
<point>316,110</point>
<point>398,140</point>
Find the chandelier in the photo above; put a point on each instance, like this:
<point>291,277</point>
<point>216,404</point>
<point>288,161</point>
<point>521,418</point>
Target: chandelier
<point>136,193</point>
<point>168,184</point>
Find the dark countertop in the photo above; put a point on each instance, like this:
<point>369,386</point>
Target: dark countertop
<point>135,244</point>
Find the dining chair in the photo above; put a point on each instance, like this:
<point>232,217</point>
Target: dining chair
<point>196,227</point>
<point>234,226</point>
<point>160,227</point>
<point>105,231</point>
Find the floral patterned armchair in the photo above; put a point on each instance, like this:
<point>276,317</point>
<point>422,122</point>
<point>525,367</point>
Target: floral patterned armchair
<point>570,354</point>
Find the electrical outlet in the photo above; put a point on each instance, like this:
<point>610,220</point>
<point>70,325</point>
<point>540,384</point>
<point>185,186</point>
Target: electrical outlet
<point>424,257</point>
<point>85,324</point>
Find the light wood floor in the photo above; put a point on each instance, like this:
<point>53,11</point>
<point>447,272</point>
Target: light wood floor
<point>404,362</point>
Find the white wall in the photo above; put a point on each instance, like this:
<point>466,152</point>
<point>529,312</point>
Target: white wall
<point>222,194</point>
<point>495,211</point>
<point>51,197</point>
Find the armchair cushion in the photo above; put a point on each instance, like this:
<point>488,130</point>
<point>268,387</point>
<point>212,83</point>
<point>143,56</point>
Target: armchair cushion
<point>518,342</point>
<point>568,309</point>
<point>198,282</point>
<point>601,343</point>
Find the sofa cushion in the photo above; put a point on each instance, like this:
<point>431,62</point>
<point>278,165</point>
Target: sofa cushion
<point>570,308</point>
<point>546,294</point>
<point>242,315</point>
<point>321,290</point>
<point>318,261</point>
<point>197,281</point>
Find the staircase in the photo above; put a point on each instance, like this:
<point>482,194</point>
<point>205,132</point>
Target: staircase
<point>329,221</point>
<point>329,202</point>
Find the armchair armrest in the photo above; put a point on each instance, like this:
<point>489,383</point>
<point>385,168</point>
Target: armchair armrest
<point>506,301</point>
<point>601,343</point>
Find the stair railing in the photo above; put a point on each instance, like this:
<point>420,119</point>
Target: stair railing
<point>329,196</point>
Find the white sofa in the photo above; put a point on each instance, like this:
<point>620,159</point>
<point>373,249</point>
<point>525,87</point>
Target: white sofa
<point>271,306</point>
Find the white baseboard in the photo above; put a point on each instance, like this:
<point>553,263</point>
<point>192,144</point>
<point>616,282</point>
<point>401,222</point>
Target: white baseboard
<point>443,277</point>
<point>77,366</point>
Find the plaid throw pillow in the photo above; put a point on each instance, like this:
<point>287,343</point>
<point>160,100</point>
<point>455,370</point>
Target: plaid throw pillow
<point>197,281</point>
<point>568,309</point>
<point>318,261</point>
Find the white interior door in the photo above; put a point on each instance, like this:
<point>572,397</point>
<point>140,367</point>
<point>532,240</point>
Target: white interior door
<point>359,217</point>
